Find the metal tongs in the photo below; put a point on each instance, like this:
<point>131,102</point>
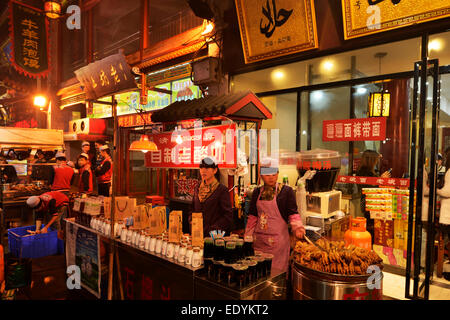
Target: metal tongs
<point>313,242</point>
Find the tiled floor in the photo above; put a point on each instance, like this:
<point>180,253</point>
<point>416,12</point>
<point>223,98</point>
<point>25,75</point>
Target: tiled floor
<point>394,287</point>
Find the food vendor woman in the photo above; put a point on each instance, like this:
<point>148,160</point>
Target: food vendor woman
<point>273,207</point>
<point>212,199</point>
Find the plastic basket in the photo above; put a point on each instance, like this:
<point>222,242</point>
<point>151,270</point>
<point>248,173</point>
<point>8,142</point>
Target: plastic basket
<point>23,245</point>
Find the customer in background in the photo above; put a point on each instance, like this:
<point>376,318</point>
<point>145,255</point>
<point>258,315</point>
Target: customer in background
<point>444,194</point>
<point>85,184</point>
<point>86,148</point>
<point>104,171</point>
<point>368,168</point>
<point>212,199</point>
<point>62,174</point>
<point>273,209</point>
<point>98,159</point>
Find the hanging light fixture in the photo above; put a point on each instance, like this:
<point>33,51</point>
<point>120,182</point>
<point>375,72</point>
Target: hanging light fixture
<point>52,9</point>
<point>143,144</point>
<point>379,104</point>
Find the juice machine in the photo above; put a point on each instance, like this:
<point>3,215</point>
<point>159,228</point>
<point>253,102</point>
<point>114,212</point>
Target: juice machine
<point>318,170</point>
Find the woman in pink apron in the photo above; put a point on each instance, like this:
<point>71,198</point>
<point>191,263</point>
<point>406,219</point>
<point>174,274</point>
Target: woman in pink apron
<point>272,209</point>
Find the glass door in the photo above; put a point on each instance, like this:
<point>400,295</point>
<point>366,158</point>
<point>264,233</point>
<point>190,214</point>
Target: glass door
<point>423,200</point>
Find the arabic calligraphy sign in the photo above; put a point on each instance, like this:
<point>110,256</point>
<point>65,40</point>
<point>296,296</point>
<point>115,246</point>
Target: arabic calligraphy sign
<point>273,28</point>
<point>29,35</point>
<point>365,17</point>
<point>105,77</point>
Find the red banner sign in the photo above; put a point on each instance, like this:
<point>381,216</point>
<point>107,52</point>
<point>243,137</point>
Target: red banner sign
<point>134,120</point>
<point>376,181</point>
<point>186,148</point>
<point>367,129</point>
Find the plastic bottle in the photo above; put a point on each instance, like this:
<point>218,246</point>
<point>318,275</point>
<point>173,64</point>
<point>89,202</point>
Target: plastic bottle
<point>357,234</point>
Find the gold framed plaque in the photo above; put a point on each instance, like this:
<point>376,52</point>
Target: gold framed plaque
<point>365,17</point>
<point>274,28</point>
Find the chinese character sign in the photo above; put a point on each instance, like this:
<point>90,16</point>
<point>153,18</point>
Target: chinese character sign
<point>186,148</point>
<point>272,28</point>
<point>105,77</point>
<point>366,17</point>
<point>29,36</point>
<point>367,129</point>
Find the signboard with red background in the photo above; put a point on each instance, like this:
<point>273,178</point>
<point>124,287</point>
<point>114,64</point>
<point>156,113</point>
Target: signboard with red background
<point>192,146</point>
<point>366,129</point>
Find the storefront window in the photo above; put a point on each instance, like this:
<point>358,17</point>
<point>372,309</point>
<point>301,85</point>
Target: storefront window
<point>373,61</point>
<point>439,48</point>
<point>329,104</point>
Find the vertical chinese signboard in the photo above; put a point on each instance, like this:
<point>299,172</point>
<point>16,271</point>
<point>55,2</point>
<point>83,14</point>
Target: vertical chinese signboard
<point>273,28</point>
<point>29,36</point>
<point>186,148</point>
<point>366,129</point>
<point>365,17</point>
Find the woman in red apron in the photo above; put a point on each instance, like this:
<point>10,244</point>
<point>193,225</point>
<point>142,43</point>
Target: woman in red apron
<point>272,209</point>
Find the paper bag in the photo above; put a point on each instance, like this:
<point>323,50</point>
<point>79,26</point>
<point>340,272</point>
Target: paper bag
<point>107,207</point>
<point>124,207</point>
<point>141,216</point>
<point>157,220</point>
<point>175,226</point>
<point>197,229</point>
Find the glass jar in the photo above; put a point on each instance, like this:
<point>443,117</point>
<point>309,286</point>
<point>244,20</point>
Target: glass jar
<point>176,251</point>
<point>182,253</point>
<point>196,259</point>
<point>170,250</point>
<point>147,242</point>
<point>133,237</point>
<point>138,238</point>
<point>158,246</point>
<point>164,246</point>
<point>189,254</point>
<point>129,236</point>
<point>152,245</point>
<point>123,234</point>
<point>142,240</point>
<point>107,230</point>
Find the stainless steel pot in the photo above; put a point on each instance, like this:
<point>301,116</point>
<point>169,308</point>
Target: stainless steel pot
<point>6,187</point>
<point>309,284</point>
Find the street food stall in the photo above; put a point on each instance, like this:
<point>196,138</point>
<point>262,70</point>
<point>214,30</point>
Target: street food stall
<point>215,126</point>
<point>176,263</point>
<point>19,146</point>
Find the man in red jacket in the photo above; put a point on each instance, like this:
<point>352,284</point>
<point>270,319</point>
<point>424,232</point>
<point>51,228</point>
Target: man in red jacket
<point>49,208</point>
<point>62,174</point>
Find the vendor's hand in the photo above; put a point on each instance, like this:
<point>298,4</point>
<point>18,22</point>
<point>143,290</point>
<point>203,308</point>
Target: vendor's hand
<point>43,230</point>
<point>300,232</point>
<point>386,174</point>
